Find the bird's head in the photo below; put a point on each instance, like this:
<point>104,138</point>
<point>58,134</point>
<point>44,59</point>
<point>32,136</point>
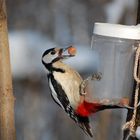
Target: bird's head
<point>53,55</point>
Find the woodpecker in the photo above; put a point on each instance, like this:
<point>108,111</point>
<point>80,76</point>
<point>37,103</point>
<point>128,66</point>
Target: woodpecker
<point>65,84</point>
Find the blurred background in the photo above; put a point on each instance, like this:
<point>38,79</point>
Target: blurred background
<point>35,26</point>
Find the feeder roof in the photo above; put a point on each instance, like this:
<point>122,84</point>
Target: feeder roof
<point>117,30</point>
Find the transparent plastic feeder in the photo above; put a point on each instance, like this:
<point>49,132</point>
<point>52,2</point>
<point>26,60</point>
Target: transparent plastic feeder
<point>113,47</point>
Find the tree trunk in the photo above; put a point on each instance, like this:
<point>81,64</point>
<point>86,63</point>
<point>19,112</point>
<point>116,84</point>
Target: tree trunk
<point>7,126</point>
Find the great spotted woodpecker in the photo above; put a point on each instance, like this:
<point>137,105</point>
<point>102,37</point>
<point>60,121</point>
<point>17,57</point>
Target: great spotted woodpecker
<point>66,89</point>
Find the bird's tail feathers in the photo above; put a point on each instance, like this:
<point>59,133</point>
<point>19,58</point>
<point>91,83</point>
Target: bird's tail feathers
<point>122,103</point>
<point>86,128</point>
<point>84,124</point>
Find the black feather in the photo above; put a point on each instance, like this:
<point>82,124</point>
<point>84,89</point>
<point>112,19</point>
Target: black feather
<point>48,51</point>
<point>83,122</point>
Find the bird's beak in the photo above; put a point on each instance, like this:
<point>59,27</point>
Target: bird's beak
<point>63,53</point>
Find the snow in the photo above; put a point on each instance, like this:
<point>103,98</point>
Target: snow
<point>27,47</point>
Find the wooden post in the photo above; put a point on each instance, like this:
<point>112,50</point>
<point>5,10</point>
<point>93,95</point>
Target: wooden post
<point>130,113</point>
<point>7,126</point>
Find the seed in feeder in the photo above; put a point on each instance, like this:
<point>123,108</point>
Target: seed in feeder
<point>124,101</point>
<point>72,50</point>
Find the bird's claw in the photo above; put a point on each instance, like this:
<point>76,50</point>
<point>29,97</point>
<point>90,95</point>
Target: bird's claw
<point>96,76</point>
<point>83,88</point>
<point>83,93</point>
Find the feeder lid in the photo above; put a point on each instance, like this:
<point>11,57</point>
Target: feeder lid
<point>117,30</point>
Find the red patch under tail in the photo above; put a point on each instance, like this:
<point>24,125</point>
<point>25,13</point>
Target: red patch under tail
<point>86,109</point>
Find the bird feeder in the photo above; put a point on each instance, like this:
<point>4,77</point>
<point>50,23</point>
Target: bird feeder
<point>114,49</point>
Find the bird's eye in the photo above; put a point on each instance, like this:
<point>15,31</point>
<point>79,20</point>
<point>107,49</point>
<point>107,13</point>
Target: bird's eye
<point>53,52</point>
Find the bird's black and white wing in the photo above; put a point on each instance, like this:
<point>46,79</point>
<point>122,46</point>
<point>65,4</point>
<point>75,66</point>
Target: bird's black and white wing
<point>61,99</point>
